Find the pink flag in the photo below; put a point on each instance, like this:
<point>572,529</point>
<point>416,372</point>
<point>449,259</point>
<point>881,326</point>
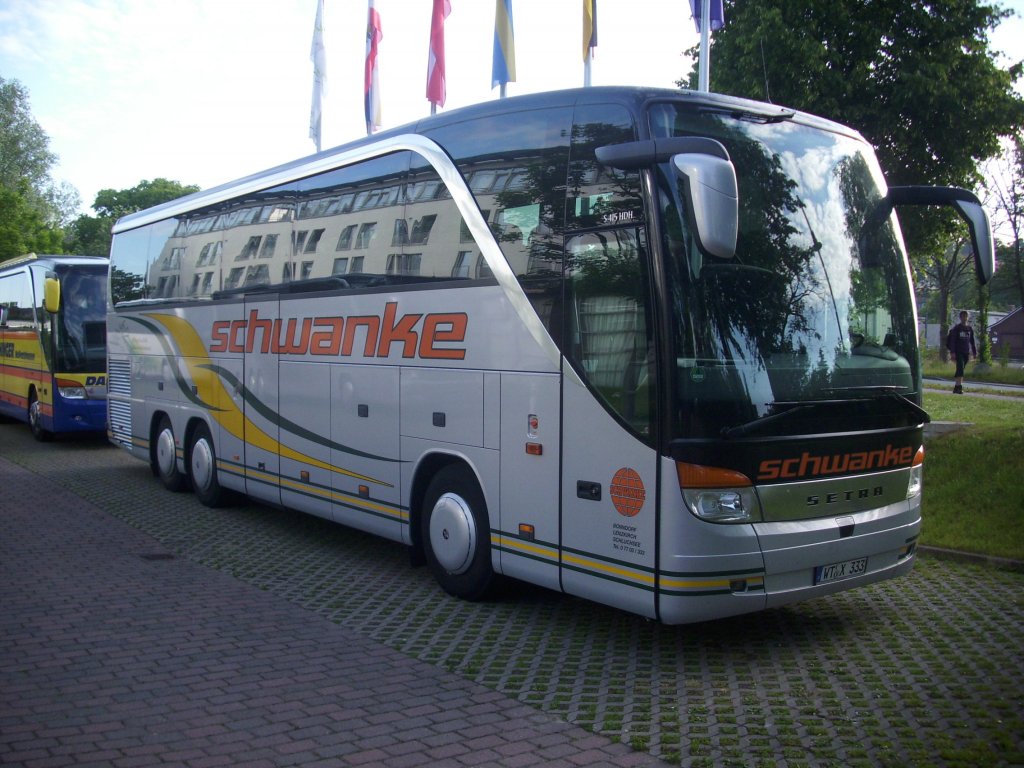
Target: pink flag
<point>435,57</point>
<point>371,88</point>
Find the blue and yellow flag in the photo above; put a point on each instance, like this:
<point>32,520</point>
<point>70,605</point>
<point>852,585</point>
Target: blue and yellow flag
<point>503,62</point>
<point>589,27</point>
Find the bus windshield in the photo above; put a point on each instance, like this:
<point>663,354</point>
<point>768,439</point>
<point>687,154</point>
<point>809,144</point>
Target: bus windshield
<point>80,328</point>
<point>810,328</point>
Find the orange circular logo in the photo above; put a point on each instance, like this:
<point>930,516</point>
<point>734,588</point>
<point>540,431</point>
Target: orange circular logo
<point>627,492</point>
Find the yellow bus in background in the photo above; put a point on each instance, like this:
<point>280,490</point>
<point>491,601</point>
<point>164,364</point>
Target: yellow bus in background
<point>53,343</point>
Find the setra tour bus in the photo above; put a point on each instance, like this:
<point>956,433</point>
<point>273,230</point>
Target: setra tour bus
<point>53,343</point>
<point>653,348</point>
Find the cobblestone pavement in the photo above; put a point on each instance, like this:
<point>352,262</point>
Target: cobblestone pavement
<point>344,652</point>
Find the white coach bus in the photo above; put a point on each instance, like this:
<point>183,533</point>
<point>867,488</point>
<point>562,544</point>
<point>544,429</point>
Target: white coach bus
<point>654,348</point>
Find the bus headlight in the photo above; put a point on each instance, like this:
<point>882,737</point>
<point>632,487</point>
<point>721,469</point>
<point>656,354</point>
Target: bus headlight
<point>724,505</point>
<point>916,475</point>
<point>71,391</point>
<point>718,495</point>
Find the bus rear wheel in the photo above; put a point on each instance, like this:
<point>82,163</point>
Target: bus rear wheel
<point>165,458</point>
<point>202,466</point>
<point>35,419</point>
<point>457,535</point>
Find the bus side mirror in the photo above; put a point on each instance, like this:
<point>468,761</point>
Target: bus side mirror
<point>709,179</point>
<point>712,201</point>
<point>966,204</point>
<point>3,316</point>
<point>981,237</point>
<point>51,295</point>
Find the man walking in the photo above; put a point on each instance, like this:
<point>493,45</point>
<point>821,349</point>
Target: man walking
<point>960,343</point>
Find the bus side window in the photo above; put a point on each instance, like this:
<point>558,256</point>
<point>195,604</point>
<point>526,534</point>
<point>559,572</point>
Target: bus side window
<point>611,341</point>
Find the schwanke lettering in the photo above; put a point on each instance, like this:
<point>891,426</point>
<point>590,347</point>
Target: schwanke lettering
<point>808,465</point>
<point>428,337</point>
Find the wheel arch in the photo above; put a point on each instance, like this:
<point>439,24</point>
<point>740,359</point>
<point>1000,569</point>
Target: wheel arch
<point>154,425</point>
<point>426,468</point>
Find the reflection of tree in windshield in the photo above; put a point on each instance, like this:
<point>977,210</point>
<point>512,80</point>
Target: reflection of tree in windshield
<point>800,313</point>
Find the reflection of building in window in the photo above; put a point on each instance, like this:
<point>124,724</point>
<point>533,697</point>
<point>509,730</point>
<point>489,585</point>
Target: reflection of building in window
<point>207,283</point>
<point>299,240</point>
<point>234,277</point>
<point>366,233</point>
<point>306,270</point>
<point>482,269</point>
<point>421,229</point>
<point>345,240</point>
<point>250,249</point>
<point>404,263</point>
<point>465,236</point>
<point>210,254</point>
<point>313,241</point>
<point>401,234</point>
<point>462,264</point>
<point>340,266</point>
<point>357,264</point>
<point>258,274</point>
<point>269,246</point>
<point>173,259</point>
<point>166,286</point>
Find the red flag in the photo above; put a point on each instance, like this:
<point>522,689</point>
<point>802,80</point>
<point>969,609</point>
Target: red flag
<point>371,86</point>
<point>435,57</point>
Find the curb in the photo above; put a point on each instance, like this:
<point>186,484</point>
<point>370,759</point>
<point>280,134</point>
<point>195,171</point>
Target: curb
<point>1003,563</point>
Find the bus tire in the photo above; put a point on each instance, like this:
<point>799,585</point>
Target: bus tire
<point>165,458</point>
<point>35,419</point>
<point>456,533</point>
<point>202,465</point>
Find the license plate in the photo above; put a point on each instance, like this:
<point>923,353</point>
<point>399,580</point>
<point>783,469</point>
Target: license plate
<point>838,571</point>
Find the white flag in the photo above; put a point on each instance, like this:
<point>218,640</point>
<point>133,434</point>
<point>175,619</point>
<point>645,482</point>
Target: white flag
<point>318,55</point>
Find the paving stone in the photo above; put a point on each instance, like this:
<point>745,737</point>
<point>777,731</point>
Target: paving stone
<point>293,620</point>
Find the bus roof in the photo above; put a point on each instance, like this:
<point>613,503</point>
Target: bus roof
<point>54,259</point>
<point>634,98</point>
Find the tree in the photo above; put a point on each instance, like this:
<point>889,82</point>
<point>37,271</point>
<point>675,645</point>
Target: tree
<point>916,78</point>
<point>1004,180</point>
<point>32,206</point>
<point>90,235</point>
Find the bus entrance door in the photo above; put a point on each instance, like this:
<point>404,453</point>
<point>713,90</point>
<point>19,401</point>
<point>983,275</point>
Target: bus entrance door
<point>609,498</point>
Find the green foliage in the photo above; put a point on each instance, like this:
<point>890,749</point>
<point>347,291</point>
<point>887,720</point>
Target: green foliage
<point>31,205</point>
<point>916,78</point>
<point>116,203</point>
<point>90,235</point>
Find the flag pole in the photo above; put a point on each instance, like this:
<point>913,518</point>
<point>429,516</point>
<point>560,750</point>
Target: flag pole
<point>704,70</point>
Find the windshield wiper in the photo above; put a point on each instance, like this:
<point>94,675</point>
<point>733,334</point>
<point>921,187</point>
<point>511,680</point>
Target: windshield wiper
<point>889,390</point>
<point>752,426</point>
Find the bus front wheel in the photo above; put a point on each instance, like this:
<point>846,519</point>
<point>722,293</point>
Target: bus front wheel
<point>165,458</point>
<point>202,465</point>
<point>35,419</point>
<point>456,534</point>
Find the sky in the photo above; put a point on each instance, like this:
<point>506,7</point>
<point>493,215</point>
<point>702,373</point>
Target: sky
<point>206,91</point>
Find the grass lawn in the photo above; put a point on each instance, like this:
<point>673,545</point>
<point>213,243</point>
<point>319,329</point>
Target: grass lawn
<point>996,373</point>
<point>974,477</point>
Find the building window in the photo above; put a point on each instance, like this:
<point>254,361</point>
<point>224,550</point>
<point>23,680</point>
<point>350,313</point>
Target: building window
<point>345,240</point>
<point>314,241</point>
<point>404,263</point>
<point>269,245</point>
<point>462,264</point>
<point>366,233</point>
<point>250,249</point>
<point>340,266</point>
